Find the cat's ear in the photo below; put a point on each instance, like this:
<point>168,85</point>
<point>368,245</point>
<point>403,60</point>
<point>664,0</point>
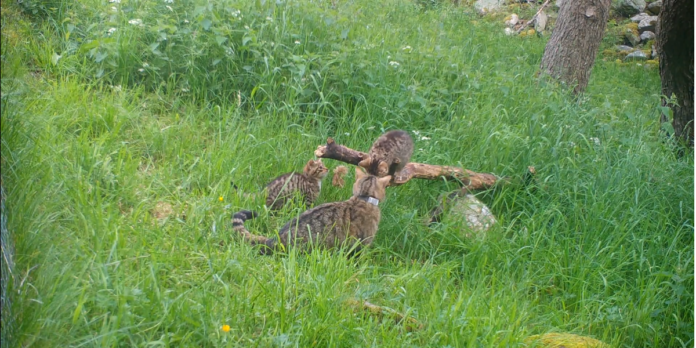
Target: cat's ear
<point>384,181</point>
<point>383,168</point>
<point>365,162</point>
<point>359,174</point>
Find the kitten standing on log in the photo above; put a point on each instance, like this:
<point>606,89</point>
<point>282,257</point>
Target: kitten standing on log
<point>328,225</point>
<point>389,154</point>
<point>307,183</point>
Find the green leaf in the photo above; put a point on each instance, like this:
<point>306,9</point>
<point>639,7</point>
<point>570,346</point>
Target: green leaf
<point>100,56</point>
<point>206,23</point>
<point>220,40</point>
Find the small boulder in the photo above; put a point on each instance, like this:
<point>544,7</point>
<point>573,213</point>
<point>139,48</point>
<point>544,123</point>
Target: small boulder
<point>654,7</point>
<point>647,35</point>
<point>473,212</point>
<point>631,38</point>
<point>488,5</point>
<point>636,55</point>
<point>628,7</point>
<point>647,24</point>
<point>540,22</point>
<point>512,20</point>
<point>639,17</point>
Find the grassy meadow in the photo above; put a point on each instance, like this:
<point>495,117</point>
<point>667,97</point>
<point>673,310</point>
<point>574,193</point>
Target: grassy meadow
<point>123,123</point>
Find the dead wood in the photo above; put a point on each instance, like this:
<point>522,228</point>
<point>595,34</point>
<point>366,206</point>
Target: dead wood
<point>471,180</point>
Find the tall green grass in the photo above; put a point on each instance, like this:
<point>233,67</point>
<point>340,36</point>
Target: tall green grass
<point>94,150</point>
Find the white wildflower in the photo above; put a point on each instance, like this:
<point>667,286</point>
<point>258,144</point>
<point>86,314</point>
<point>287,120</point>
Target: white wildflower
<point>297,42</point>
<point>347,134</point>
<point>420,149</point>
<point>170,8</point>
<point>269,19</point>
<point>571,144</point>
<point>136,21</point>
<point>406,48</point>
<point>395,64</point>
<point>145,65</point>
<point>116,88</point>
<point>184,89</point>
<point>141,70</point>
<point>114,9</point>
<point>417,133</point>
<point>424,138</point>
<point>186,21</point>
<point>596,141</point>
<point>110,31</point>
<point>168,1</point>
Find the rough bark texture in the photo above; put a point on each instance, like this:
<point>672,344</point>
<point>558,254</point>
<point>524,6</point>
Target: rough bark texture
<point>571,51</point>
<point>675,46</point>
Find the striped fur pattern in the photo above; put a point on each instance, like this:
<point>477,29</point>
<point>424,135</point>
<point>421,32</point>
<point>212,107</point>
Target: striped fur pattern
<point>329,225</point>
<point>389,153</point>
<point>287,186</point>
<point>308,184</point>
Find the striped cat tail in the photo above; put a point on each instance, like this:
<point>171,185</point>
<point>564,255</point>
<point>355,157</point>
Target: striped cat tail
<point>238,220</point>
<point>240,217</point>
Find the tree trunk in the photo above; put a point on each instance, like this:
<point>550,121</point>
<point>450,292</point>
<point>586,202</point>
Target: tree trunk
<point>570,53</point>
<point>675,47</point>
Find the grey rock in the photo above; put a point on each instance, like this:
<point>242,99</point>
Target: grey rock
<point>488,5</point>
<point>628,7</point>
<point>636,55</point>
<point>647,35</point>
<point>476,215</point>
<point>654,7</point>
<point>647,24</point>
<point>541,21</point>
<point>631,38</point>
<point>639,17</point>
<point>624,48</point>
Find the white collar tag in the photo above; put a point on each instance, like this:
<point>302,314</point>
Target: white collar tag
<point>372,200</point>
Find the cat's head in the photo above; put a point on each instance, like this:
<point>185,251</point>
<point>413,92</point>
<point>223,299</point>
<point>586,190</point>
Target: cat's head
<point>375,165</point>
<point>370,185</point>
<point>315,169</point>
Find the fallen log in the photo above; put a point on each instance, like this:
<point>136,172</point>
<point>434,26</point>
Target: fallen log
<point>470,180</point>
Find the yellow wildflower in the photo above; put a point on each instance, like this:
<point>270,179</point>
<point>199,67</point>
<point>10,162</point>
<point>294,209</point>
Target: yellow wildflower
<point>225,328</point>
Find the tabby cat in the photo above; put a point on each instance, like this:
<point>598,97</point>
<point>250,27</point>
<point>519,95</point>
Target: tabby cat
<point>389,154</point>
<point>308,183</point>
<point>328,225</point>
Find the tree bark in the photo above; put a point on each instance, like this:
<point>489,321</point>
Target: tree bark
<point>675,47</point>
<point>571,51</point>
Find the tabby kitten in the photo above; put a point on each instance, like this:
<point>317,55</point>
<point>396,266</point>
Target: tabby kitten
<point>389,154</point>
<point>328,225</point>
<point>308,183</point>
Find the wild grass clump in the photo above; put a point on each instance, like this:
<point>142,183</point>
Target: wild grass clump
<point>118,148</point>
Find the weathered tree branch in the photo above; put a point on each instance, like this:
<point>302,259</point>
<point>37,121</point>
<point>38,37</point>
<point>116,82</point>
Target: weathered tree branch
<point>471,180</point>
